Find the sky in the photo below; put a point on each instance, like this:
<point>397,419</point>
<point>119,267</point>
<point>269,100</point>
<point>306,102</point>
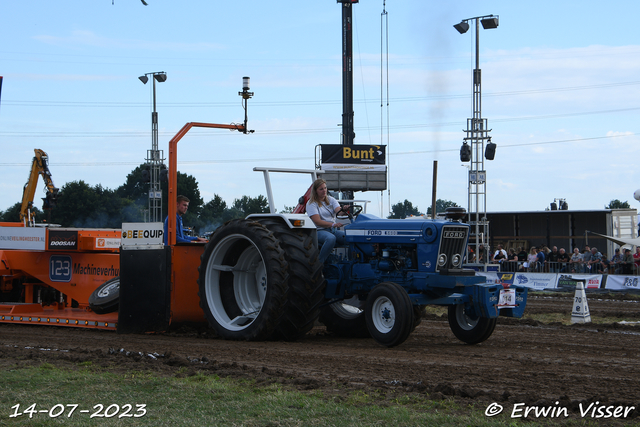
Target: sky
<point>560,86</point>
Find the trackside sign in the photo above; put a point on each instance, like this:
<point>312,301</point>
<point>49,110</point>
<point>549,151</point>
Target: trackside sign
<point>138,235</point>
<point>62,240</point>
<point>26,238</point>
<point>353,157</point>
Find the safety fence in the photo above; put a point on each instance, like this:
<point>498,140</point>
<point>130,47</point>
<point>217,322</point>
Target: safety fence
<point>565,267</point>
<point>564,281</point>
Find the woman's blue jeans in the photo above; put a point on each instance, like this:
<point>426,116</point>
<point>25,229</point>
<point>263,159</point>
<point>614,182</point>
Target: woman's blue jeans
<point>327,238</point>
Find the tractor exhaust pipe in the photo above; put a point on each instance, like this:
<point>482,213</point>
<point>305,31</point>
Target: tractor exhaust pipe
<point>433,191</point>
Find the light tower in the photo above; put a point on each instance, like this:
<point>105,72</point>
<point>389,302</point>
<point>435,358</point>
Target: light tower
<point>473,146</point>
<point>155,159</point>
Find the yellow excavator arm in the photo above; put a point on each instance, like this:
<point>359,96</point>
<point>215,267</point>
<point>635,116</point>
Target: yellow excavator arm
<point>39,166</point>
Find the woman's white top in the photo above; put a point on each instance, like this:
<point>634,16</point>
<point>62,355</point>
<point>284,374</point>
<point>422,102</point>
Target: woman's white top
<point>327,211</point>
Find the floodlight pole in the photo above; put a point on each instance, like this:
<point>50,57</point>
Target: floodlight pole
<point>477,133</point>
<point>155,158</point>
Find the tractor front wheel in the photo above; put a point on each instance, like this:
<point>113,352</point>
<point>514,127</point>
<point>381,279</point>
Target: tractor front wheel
<point>471,329</point>
<point>389,314</point>
<point>243,281</point>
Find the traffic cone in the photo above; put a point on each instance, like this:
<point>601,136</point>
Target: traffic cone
<point>580,312</point>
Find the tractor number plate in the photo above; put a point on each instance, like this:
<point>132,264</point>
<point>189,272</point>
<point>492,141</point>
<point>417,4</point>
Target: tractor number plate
<point>507,298</point>
<point>60,268</point>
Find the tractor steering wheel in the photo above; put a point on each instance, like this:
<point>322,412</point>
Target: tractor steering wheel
<point>349,212</point>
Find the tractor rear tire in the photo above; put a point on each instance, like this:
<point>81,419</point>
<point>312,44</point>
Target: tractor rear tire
<point>243,281</point>
<point>345,320</point>
<point>106,297</point>
<point>471,330</point>
<point>306,283</point>
<point>389,314</point>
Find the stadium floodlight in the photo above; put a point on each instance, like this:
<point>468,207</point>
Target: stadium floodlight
<point>462,27</point>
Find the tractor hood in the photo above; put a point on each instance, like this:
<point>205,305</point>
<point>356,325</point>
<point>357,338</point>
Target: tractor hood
<point>368,228</point>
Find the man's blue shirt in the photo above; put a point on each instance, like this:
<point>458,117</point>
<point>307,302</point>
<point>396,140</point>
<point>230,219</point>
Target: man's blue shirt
<point>180,237</point>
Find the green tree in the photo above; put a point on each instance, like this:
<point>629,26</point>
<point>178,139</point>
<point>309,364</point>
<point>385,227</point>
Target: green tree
<point>248,205</point>
<point>211,215</point>
<point>232,213</point>
<point>214,208</point>
<point>80,205</point>
<point>187,186</point>
<point>134,188</point>
<point>77,202</point>
<point>137,190</point>
<point>442,205</point>
<point>12,214</point>
<point>403,210</point>
<point>617,204</point>
<point>113,210</point>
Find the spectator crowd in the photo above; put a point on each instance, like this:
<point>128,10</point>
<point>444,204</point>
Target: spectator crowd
<point>554,260</point>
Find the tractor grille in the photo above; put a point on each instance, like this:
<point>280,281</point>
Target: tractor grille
<point>452,246</point>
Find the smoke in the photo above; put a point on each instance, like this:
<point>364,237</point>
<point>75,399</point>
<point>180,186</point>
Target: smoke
<point>100,220</point>
<point>438,50</point>
<point>209,228</point>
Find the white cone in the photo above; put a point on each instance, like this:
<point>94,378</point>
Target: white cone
<point>580,312</point>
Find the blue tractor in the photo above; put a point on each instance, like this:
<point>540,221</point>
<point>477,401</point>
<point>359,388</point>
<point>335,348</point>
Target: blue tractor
<point>389,270</point>
<point>260,278</point>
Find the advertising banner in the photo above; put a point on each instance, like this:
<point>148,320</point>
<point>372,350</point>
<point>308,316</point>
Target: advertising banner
<point>107,243</point>
<point>623,283</point>
<point>506,277</point>
<point>593,281</point>
<point>27,238</point>
<point>142,234</point>
<point>62,240</point>
<point>497,277</point>
<point>537,281</point>
<point>353,157</point>
<point>490,277</point>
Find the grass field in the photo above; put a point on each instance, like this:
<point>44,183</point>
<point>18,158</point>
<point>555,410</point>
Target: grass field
<point>46,395</point>
<point>34,393</point>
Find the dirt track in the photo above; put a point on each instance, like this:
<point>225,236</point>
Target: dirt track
<point>522,362</point>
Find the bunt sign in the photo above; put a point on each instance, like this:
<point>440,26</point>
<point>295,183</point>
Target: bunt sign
<point>353,157</point>
<point>354,167</point>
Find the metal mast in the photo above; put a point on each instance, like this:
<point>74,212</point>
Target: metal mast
<point>347,72</point>
<point>477,134</point>
<point>155,157</point>
<point>348,133</point>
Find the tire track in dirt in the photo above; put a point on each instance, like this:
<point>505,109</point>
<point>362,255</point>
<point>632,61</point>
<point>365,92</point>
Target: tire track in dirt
<point>522,362</point>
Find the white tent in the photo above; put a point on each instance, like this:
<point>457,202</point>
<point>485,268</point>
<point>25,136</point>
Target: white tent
<point>633,241</point>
